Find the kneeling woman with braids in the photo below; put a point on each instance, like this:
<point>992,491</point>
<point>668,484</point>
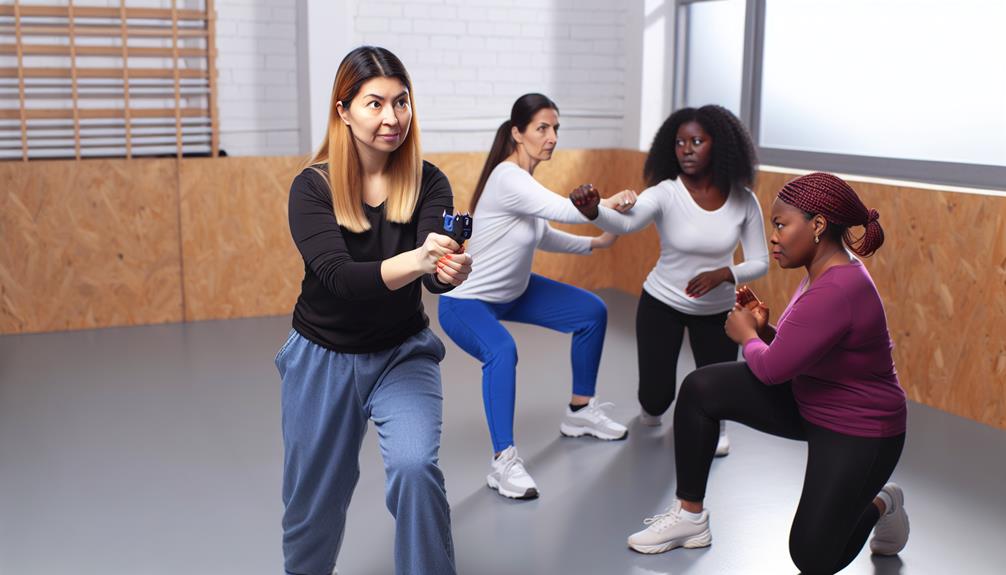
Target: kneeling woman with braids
<point>824,374</point>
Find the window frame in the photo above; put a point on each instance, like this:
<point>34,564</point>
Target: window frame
<point>947,173</point>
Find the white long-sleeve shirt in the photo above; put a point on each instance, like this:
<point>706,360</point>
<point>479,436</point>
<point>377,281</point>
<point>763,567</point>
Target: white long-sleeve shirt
<point>695,240</point>
<point>509,223</point>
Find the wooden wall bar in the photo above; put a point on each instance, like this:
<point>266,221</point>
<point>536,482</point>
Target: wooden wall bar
<point>100,243</point>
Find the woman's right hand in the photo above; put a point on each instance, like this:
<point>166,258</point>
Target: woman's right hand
<point>435,247</point>
<point>586,198</point>
<point>761,315</point>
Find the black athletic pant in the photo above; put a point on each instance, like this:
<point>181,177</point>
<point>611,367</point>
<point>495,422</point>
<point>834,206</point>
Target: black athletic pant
<point>844,472</point>
<point>659,335</point>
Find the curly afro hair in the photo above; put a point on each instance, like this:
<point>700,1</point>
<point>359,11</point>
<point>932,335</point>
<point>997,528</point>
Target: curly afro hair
<point>733,155</point>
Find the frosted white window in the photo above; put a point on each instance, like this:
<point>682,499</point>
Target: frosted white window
<point>910,79</point>
<point>714,57</point>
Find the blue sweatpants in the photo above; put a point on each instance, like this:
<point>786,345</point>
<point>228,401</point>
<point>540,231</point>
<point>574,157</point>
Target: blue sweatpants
<point>475,327</point>
<point>327,399</point>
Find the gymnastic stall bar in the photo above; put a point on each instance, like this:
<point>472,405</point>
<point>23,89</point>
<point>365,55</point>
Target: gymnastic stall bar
<point>107,81</point>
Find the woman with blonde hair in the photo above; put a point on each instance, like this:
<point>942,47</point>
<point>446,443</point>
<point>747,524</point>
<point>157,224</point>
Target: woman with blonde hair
<point>365,216</point>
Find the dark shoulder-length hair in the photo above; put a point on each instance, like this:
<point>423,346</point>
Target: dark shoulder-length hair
<point>733,159</point>
<point>521,114</point>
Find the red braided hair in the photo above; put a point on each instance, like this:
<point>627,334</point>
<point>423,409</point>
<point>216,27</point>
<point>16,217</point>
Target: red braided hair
<point>831,197</point>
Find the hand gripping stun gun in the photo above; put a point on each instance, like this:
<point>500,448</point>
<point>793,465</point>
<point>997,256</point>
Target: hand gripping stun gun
<point>746,298</point>
<point>458,227</point>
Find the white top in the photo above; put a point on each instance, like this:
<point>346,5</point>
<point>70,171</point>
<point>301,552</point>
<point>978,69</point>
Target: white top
<point>694,240</point>
<point>509,223</point>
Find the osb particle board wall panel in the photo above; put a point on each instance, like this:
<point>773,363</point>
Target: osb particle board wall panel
<point>942,276</point>
<point>64,225</point>
<point>88,244</point>
<point>239,259</point>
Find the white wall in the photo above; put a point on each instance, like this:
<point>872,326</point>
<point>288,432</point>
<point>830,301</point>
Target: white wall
<point>603,62</point>
<point>470,59</point>
<point>257,66</point>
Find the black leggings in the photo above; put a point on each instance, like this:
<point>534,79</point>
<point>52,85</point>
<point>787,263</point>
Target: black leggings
<point>659,334</point>
<point>844,473</point>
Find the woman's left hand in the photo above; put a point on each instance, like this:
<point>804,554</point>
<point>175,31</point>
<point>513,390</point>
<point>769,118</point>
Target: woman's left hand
<point>453,269</point>
<point>605,240</point>
<point>701,284</point>
<point>741,325</point>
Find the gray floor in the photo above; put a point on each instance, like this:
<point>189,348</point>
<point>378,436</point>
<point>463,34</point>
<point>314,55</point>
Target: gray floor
<point>156,450</point>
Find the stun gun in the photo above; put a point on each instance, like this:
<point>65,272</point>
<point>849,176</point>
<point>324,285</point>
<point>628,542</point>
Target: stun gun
<point>458,227</point>
<point>746,298</point>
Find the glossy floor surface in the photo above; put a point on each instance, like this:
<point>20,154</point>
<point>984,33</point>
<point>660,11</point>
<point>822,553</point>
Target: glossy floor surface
<point>156,450</point>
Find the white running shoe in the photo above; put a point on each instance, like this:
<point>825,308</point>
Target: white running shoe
<point>591,420</point>
<point>890,535</point>
<point>648,420</point>
<point>669,530</point>
<point>723,444</point>
<point>509,477</point>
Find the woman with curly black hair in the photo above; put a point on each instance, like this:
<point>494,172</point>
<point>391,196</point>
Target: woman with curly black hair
<point>699,169</point>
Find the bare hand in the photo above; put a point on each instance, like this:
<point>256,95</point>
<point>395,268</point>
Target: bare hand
<point>605,240</point>
<point>621,202</point>
<point>761,315</point>
<point>701,284</point>
<point>741,325</point>
<point>453,269</point>
<point>435,247</point>
<point>586,198</point>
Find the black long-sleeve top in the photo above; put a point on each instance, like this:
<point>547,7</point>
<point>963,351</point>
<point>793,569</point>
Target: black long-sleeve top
<point>344,304</point>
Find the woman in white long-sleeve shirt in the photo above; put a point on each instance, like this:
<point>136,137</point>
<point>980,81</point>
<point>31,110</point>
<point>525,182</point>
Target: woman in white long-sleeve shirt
<point>699,169</point>
<point>511,212</point>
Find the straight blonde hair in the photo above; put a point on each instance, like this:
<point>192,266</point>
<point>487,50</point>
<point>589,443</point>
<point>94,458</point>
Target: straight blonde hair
<point>345,174</point>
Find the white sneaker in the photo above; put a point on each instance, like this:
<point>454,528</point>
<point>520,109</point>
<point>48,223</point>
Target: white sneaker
<point>669,530</point>
<point>890,535</point>
<point>591,420</point>
<point>723,445</point>
<point>648,420</point>
<point>509,477</point>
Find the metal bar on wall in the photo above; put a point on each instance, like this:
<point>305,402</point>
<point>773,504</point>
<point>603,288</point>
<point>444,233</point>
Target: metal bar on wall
<point>211,65</point>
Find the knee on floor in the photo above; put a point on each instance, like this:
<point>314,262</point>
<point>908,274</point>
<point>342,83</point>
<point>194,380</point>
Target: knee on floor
<point>809,556</point>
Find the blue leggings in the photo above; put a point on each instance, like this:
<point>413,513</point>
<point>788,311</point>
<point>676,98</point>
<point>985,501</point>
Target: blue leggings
<point>474,325</point>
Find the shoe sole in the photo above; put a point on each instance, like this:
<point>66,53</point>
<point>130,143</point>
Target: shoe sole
<point>704,539</point>
<point>531,493</point>
<point>578,431</point>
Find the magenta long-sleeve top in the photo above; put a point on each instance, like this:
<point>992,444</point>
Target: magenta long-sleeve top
<point>832,343</point>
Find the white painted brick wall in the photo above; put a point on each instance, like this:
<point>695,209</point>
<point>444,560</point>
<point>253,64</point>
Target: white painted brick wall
<point>257,82</point>
<point>470,59</point>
